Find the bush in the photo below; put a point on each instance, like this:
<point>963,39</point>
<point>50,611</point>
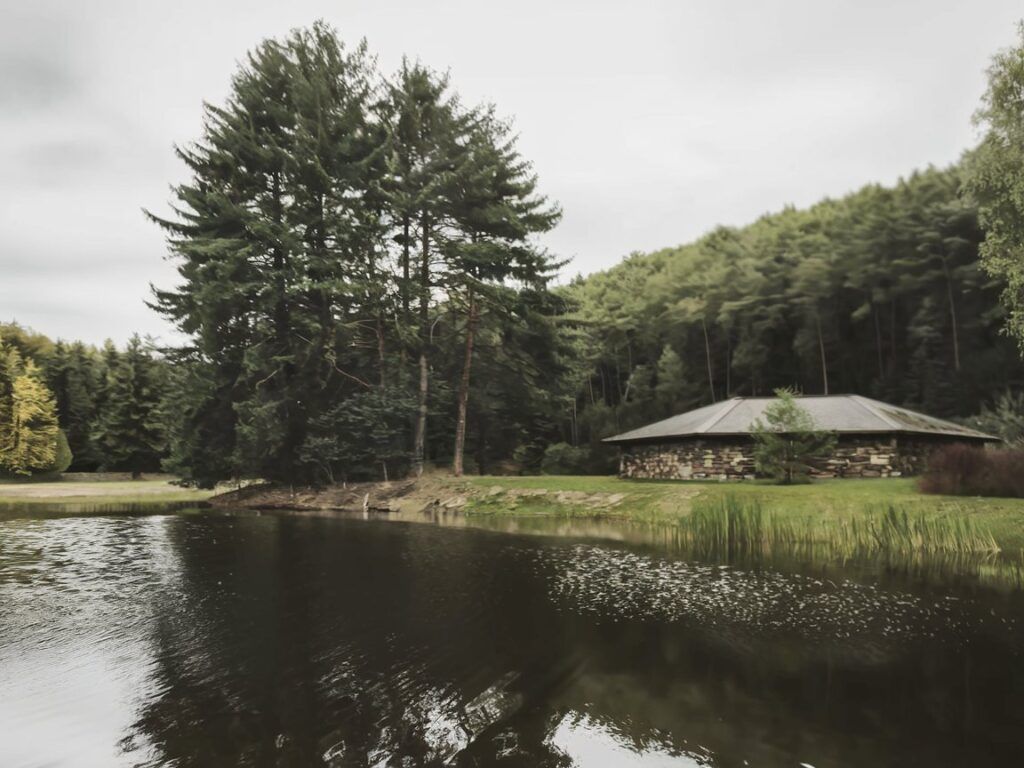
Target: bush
<point>964,470</point>
<point>563,459</point>
<point>63,456</point>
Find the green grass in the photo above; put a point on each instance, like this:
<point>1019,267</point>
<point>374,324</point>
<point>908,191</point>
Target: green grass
<point>99,495</point>
<point>825,504</point>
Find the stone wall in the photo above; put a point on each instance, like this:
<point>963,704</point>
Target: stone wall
<point>688,460</point>
<point>733,459</point>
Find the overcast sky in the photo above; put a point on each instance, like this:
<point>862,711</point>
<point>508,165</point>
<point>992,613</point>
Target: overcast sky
<point>650,122</point>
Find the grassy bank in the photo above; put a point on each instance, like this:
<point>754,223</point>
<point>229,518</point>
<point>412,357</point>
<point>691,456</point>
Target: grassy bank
<point>822,505</point>
<point>98,494</point>
<point>844,514</point>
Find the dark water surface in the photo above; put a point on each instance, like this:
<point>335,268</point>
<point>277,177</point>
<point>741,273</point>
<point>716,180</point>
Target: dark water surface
<point>214,640</point>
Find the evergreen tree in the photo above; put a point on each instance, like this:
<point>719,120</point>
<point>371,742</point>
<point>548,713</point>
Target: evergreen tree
<point>430,137</point>
<point>787,441</point>
<point>497,210</point>
<point>129,433</point>
<point>278,226</point>
<point>70,375</point>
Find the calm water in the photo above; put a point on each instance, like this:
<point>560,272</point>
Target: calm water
<point>281,641</point>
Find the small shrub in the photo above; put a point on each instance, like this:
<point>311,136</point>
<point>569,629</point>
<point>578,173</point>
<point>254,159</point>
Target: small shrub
<point>1005,474</point>
<point>564,459</point>
<point>788,441</point>
<point>62,456</point>
<point>964,470</point>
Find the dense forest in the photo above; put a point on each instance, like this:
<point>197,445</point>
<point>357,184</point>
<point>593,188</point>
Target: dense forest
<point>879,293</point>
<point>72,406</point>
<point>364,295</point>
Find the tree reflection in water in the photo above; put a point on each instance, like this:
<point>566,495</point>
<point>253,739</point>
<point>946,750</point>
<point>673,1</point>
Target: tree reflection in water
<point>293,641</point>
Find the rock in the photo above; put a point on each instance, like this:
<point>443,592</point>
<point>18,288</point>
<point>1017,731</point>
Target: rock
<point>571,496</point>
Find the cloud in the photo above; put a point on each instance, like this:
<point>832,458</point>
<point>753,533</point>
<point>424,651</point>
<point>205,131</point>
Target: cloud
<point>650,123</point>
<point>35,67</point>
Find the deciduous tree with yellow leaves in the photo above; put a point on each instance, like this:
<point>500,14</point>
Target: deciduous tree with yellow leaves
<point>29,433</point>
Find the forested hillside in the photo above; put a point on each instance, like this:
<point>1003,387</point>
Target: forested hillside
<point>879,293</point>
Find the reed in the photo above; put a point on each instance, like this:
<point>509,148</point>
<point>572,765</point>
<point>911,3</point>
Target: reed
<point>732,525</point>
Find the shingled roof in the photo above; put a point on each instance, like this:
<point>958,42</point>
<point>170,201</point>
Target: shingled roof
<point>843,414</point>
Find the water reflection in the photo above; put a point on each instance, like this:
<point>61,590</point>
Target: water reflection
<point>253,640</point>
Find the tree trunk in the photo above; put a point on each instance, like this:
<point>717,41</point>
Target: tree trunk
<point>460,422</point>
<point>707,354</point>
<point>381,351</point>
<point>952,315</point>
<point>892,334</point>
<point>281,310</point>
<point>420,434</point>
<point>821,350</point>
<point>405,267</point>
<point>728,364</point>
<point>575,427</point>
<point>282,335</point>
<point>878,342</point>
<point>481,444</point>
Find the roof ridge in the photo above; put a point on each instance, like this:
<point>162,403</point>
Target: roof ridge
<point>867,405</point>
<point>703,428</point>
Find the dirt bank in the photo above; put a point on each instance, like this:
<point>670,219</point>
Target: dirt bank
<point>401,495</point>
<point>440,492</point>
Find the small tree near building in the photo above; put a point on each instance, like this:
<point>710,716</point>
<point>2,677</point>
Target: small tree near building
<point>788,440</point>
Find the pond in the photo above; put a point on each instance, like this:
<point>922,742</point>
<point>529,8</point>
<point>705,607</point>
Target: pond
<point>211,639</point>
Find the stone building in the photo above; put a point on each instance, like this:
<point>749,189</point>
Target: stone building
<point>873,439</point>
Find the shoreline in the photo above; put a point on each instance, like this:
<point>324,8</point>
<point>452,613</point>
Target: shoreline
<point>829,504</point>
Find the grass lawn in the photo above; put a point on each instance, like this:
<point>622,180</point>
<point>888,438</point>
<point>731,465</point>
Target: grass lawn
<point>98,493</point>
<point>666,501</point>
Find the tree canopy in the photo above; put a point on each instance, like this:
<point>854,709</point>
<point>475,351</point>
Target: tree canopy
<point>996,179</point>
<point>337,226</point>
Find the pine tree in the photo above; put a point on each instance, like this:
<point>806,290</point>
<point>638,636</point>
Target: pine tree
<point>497,210</point>
<point>70,375</point>
<point>129,435</point>
<point>787,441</point>
<point>429,143</point>
<point>277,226</point>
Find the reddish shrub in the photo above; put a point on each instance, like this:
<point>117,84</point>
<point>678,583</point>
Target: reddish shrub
<point>1005,473</point>
<point>964,470</point>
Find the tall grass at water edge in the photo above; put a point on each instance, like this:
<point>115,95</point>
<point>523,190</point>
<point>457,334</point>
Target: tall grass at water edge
<point>733,525</point>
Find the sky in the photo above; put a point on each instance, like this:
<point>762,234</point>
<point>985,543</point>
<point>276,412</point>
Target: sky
<point>649,122</point>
